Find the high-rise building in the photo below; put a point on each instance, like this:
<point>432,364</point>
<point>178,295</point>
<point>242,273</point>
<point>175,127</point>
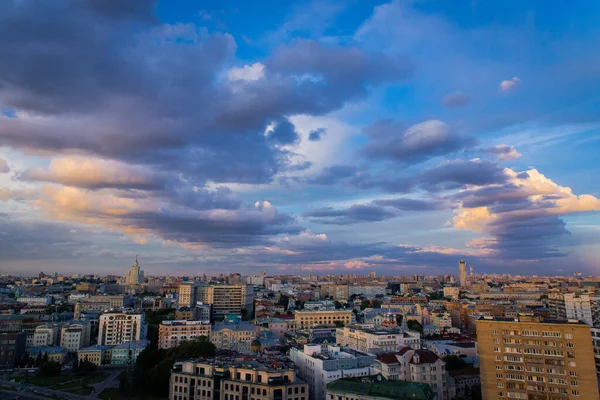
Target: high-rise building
<point>187,294</point>
<point>230,299</point>
<point>571,306</point>
<point>135,276</point>
<point>118,327</point>
<point>462,273</point>
<point>525,357</point>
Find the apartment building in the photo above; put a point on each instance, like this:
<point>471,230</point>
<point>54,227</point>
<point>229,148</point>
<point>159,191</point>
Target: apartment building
<point>319,366</point>
<point>230,299</point>
<point>311,318</point>
<point>526,357</point>
<point>172,333</point>
<point>571,306</point>
<point>237,337</point>
<point>35,300</point>
<point>187,294</point>
<point>336,292</point>
<point>376,341</point>
<point>118,327</point>
<point>235,379</point>
<point>75,336</point>
<point>46,335</point>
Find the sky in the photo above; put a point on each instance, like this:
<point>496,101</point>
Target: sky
<point>300,137</point>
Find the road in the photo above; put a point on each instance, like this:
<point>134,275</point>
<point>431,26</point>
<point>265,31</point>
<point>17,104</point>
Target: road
<point>30,392</point>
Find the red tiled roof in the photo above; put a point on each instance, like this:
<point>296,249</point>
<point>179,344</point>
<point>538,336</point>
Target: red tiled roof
<point>388,358</point>
<point>403,351</point>
<point>425,357</point>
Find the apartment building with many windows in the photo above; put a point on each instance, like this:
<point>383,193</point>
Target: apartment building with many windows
<point>526,357</point>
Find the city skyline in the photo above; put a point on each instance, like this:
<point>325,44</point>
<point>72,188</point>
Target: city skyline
<point>311,138</point>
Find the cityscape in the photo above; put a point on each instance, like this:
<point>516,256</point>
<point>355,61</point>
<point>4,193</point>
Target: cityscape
<point>321,337</point>
<point>299,200</point>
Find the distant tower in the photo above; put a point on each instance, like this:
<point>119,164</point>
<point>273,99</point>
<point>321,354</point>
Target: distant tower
<point>372,275</point>
<point>135,276</point>
<point>471,271</point>
<point>462,273</point>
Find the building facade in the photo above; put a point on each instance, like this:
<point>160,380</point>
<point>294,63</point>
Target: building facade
<point>118,327</point>
<point>172,333</point>
<point>376,341</point>
<point>319,366</point>
<point>571,306</point>
<point>526,357</point>
<point>310,318</point>
<point>237,337</point>
<point>75,336</point>
<point>228,379</point>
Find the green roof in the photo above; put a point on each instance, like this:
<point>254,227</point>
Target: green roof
<point>379,387</point>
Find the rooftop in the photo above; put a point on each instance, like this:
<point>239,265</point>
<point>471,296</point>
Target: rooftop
<point>531,319</point>
<point>379,387</point>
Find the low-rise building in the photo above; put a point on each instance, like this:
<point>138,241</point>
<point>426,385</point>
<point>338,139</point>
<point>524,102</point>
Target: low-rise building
<point>127,353</point>
<point>233,378</point>
<point>421,366</point>
<point>319,366</point>
<point>54,353</point>
<point>172,333</point>
<point>377,341</point>
<point>97,354</point>
<point>311,318</point>
<point>46,335</point>
<point>237,337</point>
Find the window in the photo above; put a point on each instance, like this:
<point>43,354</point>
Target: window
<point>496,349</point>
<point>575,392</point>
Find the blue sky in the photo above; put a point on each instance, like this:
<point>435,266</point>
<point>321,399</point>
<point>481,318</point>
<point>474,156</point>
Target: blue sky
<point>299,137</point>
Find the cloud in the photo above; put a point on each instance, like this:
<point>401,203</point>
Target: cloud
<point>521,217</point>
<point>406,204</point>
<point>4,168</point>
<point>414,144</point>
<point>459,173</point>
<point>94,174</point>
<point>317,134</point>
<point>284,133</point>
<point>503,152</point>
<point>351,215</point>
<point>510,84</point>
<point>333,174</point>
<point>455,100</point>
<point>252,72</point>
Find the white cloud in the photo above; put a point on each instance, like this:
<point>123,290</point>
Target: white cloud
<point>250,73</point>
<point>509,85</point>
<point>504,152</point>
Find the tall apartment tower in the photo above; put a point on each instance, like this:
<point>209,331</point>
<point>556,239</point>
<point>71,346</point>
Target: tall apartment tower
<point>526,357</point>
<point>571,306</point>
<point>462,273</point>
<point>135,276</point>
<point>187,294</point>
<point>119,327</point>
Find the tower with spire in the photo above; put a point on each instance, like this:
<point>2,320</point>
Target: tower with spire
<point>135,276</point>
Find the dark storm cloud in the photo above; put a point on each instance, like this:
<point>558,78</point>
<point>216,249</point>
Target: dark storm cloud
<point>458,173</point>
<point>415,144</point>
<point>351,215</point>
<point>317,134</point>
<point>411,204</point>
<point>284,133</point>
<point>110,82</point>
<point>377,210</point>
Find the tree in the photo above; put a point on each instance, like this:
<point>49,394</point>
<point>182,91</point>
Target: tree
<point>414,326</point>
<point>376,303</point>
<point>338,305</point>
<point>399,319</point>
<point>454,362</point>
<point>85,367</point>
<point>284,301</point>
<point>339,324</point>
<point>49,369</point>
<point>364,304</point>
